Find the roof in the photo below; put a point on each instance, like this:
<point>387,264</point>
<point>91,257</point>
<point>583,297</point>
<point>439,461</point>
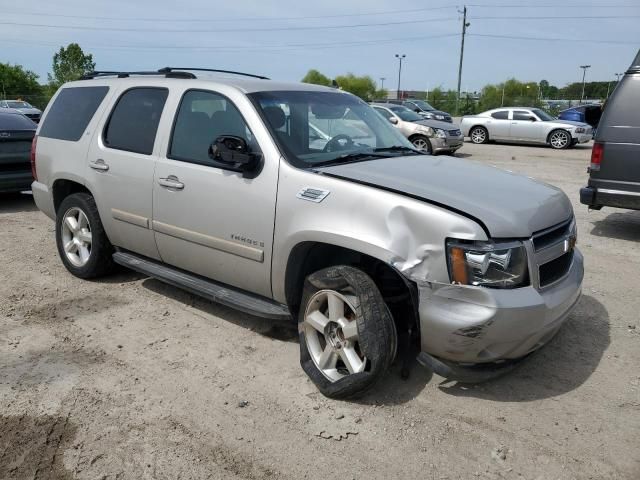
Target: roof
<point>245,84</point>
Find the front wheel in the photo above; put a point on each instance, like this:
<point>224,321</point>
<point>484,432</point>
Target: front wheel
<point>479,135</point>
<point>347,336</point>
<point>422,143</point>
<point>80,237</point>
<point>560,139</point>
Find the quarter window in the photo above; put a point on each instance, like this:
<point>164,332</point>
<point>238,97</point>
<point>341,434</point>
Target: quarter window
<point>501,115</point>
<point>71,112</point>
<point>134,120</point>
<point>202,117</point>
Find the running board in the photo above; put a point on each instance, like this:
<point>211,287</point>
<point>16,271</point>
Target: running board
<point>225,295</point>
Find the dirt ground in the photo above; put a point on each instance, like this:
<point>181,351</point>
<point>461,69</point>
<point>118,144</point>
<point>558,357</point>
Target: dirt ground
<point>126,378</point>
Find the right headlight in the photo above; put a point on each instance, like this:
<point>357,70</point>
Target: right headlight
<point>488,264</point>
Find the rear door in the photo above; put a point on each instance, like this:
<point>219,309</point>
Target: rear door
<point>499,125</point>
<point>120,166</point>
<point>619,132</point>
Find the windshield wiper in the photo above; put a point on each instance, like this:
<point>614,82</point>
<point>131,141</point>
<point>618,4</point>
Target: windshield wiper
<point>397,148</point>
<point>350,158</point>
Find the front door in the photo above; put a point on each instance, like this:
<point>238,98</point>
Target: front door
<point>209,219</point>
<point>526,127</point>
<point>120,168</point>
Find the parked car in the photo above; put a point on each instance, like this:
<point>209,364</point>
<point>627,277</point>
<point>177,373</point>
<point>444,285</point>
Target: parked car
<point>431,136</point>
<point>214,185</point>
<point>424,109</point>
<point>614,173</point>
<point>524,125</point>
<point>589,114</point>
<point>23,107</point>
<point>16,135</point>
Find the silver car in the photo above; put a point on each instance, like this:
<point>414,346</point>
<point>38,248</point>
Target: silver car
<point>299,202</point>
<point>524,125</point>
<point>23,107</point>
<point>431,136</point>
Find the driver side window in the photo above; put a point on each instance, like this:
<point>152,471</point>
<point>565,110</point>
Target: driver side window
<point>202,117</point>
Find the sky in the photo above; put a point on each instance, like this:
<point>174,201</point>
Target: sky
<point>528,40</point>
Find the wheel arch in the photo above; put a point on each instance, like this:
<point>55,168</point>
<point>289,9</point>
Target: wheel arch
<point>309,256</point>
<point>63,187</point>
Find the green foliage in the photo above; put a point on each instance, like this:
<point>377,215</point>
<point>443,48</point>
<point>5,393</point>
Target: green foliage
<point>364,87</point>
<point>511,93</point>
<point>16,82</point>
<point>317,78</point>
<point>70,64</point>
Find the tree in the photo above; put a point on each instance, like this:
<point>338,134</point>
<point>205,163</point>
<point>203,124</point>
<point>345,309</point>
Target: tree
<point>70,64</point>
<point>317,78</point>
<point>364,87</point>
<point>16,82</point>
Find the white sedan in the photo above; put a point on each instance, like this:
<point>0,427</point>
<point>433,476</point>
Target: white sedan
<point>524,125</point>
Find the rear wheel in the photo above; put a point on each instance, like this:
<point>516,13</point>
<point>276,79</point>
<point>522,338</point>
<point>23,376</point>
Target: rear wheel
<point>479,135</point>
<point>347,336</point>
<point>82,242</point>
<point>559,139</point>
<point>422,143</point>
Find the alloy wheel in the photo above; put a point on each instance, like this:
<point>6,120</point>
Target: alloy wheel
<point>559,140</point>
<point>76,236</point>
<point>478,135</point>
<point>331,334</point>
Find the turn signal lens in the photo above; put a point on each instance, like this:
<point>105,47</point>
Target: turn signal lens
<point>458,266</point>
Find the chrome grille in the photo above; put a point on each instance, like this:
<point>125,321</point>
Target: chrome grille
<point>552,253</point>
<point>454,133</point>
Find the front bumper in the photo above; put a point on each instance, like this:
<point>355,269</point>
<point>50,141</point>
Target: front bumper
<point>449,144</point>
<point>471,325</point>
<point>597,198</point>
<point>582,137</point>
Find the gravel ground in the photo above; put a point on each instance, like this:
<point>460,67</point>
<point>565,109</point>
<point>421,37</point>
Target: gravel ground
<point>126,378</point>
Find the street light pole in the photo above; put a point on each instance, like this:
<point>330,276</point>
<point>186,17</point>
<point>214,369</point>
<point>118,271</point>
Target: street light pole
<point>382,79</point>
<point>399,57</point>
<point>465,24</point>
<point>584,72</point>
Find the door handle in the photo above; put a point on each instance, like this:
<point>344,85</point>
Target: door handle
<point>171,182</point>
<point>99,165</point>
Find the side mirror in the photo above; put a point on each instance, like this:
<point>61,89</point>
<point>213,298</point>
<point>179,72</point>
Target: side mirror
<point>233,151</point>
<point>417,110</point>
<point>393,120</point>
<point>533,119</point>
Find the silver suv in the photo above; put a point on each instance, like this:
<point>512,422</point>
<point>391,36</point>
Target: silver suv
<point>300,201</point>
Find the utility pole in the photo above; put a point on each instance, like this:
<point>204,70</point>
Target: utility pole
<point>584,72</point>
<point>382,79</point>
<point>464,31</point>
<point>399,57</point>
<point>502,101</point>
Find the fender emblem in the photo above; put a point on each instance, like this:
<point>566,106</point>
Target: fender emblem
<point>313,194</point>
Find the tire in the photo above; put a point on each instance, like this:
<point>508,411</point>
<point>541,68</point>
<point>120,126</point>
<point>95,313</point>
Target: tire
<point>88,250</point>
<point>560,139</point>
<point>368,340</point>
<point>422,143</point>
<point>479,135</point>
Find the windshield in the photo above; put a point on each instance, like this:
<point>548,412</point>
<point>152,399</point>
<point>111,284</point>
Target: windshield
<point>17,104</point>
<point>406,114</point>
<point>314,128</point>
<point>423,105</point>
<point>542,115</point>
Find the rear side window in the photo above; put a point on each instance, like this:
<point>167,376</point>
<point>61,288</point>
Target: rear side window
<point>501,115</point>
<point>13,121</point>
<point>134,120</point>
<point>71,112</point>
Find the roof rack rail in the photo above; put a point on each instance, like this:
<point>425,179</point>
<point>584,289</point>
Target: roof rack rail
<point>168,70</point>
<point>110,73</point>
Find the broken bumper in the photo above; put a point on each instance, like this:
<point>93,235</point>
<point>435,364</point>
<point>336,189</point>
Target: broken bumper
<point>471,325</point>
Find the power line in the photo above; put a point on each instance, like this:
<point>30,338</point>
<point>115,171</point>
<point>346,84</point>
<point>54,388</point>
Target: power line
<point>232,19</point>
<point>550,5</point>
<point>250,29</point>
<point>552,39</point>
<point>556,17</point>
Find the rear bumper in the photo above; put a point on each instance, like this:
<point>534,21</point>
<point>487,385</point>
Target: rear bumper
<point>597,198</point>
<point>15,181</point>
<point>43,199</point>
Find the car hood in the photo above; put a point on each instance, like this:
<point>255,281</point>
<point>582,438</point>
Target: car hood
<point>436,112</point>
<point>507,204</point>
<point>436,124</point>
<point>29,111</point>
<point>568,122</point>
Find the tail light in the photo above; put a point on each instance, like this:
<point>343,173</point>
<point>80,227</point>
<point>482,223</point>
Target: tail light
<point>596,156</point>
<point>34,142</point>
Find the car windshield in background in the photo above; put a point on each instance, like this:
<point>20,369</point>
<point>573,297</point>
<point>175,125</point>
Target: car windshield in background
<point>423,105</point>
<point>18,104</point>
<point>406,114</point>
<point>542,115</point>
<point>314,128</point>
